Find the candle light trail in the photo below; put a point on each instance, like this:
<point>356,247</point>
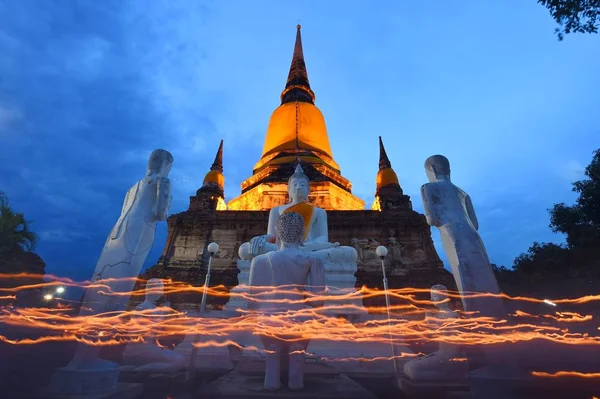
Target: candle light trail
<point>405,325</point>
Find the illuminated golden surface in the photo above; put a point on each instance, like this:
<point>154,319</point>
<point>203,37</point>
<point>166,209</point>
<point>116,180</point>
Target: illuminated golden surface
<point>221,204</point>
<point>385,177</point>
<point>325,195</point>
<point>312,132</point>
<point>214,176</point>
<point>376,204</point>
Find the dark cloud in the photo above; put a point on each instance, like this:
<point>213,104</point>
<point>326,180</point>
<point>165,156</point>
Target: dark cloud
<point>79,117</point>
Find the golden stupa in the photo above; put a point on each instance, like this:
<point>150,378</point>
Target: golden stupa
<point>296,133</point>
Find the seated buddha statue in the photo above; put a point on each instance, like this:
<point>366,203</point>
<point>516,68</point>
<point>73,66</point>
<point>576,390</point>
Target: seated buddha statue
<point>316,237</point>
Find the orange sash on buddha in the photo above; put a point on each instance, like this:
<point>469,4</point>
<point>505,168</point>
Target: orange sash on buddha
<point>306,211</point>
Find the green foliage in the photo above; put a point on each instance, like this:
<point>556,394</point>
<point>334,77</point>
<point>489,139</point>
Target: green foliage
<point>581,221</point>
<point>15,233</point>
<point>506,277</point>
<point>574,16</point>
<point>501,270</point>
<point>543,260</point>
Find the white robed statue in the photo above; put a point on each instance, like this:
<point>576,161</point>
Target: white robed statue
<point>120,263</point>
<point>450,209</point>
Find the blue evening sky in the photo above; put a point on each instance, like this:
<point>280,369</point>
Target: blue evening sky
<point>89,88</point>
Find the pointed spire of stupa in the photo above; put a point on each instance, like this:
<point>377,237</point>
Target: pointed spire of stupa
<point>297,87</point>
<point>384,161</point>
<point>215,175</point>
<point>218,163</point>
<point>386,174</point>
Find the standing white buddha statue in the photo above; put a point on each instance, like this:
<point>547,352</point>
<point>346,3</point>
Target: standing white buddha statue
<point>125,251</point>
<point>450,209</point>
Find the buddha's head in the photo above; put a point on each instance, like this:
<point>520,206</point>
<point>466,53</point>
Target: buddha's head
<point>437,167</point>
<point>160,163</point>
<point>290,228</point>
<point>298,185</point>
<point>154,290</point>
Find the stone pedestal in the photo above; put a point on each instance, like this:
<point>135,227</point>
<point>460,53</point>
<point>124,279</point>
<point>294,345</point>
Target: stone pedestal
<point>361,358</point>
<point>158,384</point>
<point>364,357</point>
<point>343,356</point>
<point>236,302</point>
<point>89,378</point>
<point>339,277</point>
<point>238,384</point>
<point>213,357</point>
<point>433,389</point>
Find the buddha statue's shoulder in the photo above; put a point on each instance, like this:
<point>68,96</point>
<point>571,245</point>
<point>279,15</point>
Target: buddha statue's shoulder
<point>303,208</point>
<point>438,187</point>
<point>318,211</point>
<point>298,205</point>
<point>262,259</point>
<point>276,210</point>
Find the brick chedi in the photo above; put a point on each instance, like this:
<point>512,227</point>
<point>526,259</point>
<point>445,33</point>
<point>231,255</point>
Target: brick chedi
<point>297,133</point>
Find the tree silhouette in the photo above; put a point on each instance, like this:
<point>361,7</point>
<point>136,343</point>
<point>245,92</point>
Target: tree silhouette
<point>580,222</point>
<point>16,235</point>
<point>574,16</point>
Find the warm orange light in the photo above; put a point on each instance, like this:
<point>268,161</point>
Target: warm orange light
<point>221,204</point>
<point>214,176</point>
<point>407,324</point>
<point>376,204</point>
<point>385,177</point>
<point>559,374</point>
<point>307,121</point>
<point>325,195</point>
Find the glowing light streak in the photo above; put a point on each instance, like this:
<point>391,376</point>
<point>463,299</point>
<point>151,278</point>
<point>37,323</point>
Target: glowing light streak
<point>560,374</point>
<point>407,294</point>
<point>407,323</point>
